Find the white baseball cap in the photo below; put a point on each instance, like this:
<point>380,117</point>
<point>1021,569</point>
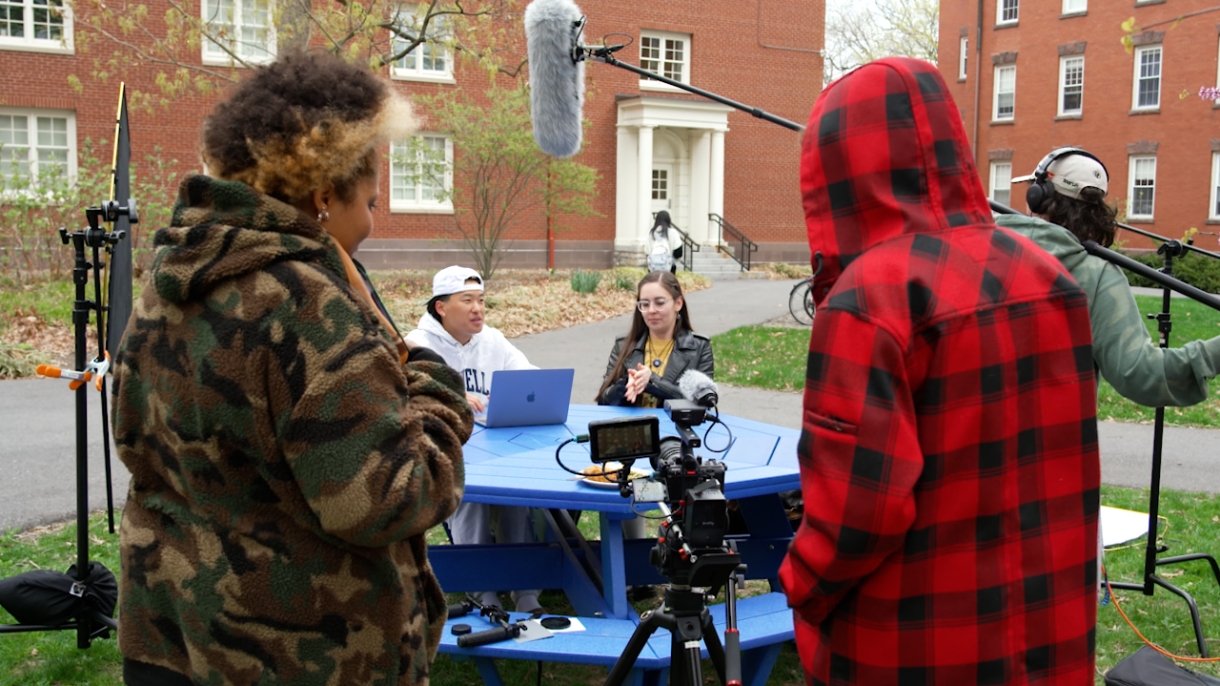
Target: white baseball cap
<point>453,279</point>
<point>1072,173</point>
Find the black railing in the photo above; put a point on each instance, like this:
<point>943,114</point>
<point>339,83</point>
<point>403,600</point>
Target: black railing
<point>742,247</point>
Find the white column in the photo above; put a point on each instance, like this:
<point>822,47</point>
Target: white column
<point>700,184</point>
<point>626,190</point>
<point>644,198</point>
<point>716,187</point>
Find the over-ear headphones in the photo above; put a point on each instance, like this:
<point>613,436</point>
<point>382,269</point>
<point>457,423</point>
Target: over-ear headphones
<point>1040,191</point>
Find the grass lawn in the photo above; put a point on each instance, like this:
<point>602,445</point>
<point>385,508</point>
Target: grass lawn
<point>1191,523</point>
<point>774,358</point>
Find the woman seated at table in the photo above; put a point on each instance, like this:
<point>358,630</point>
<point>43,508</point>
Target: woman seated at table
<point>645,365</point>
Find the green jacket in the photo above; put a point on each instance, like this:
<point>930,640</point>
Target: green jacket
<point>1124,352</point>
<point>285,467</point>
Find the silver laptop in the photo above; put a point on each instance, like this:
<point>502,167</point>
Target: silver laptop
<point>528,397</point>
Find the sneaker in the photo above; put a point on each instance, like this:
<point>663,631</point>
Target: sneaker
<point>529,604</point>
<point>489,599</point>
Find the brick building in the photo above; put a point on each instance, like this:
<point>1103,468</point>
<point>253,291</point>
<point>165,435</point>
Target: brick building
<point>1049,73</point>
<point>654,146</point>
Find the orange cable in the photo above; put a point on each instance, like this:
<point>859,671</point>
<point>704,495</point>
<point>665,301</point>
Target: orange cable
<point>1148,643</point>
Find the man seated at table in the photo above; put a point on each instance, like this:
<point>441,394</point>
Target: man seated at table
<point>453,327</point>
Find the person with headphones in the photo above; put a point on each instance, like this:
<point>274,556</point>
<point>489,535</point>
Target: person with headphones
<point>1066,199</point>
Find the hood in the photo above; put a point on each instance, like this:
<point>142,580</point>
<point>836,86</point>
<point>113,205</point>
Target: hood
<point>223,230</point>
<point>885,154</point>
<point>433,326</point>
<point>1052,238</point>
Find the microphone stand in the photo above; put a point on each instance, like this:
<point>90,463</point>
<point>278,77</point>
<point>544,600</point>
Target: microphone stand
<point>1170,249</point>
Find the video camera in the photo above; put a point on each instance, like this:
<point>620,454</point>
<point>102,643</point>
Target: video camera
<point>690,549</point>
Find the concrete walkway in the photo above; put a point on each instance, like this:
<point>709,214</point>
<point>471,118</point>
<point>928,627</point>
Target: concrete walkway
<point>37,441</point>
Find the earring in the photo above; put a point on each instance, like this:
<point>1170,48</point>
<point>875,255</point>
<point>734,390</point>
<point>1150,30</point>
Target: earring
<point>323,215</point>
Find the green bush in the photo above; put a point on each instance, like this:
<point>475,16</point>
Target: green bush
<point>16,360</point>
<point>626,278</point>
<point>585,281</point>
<point>1200,271</point>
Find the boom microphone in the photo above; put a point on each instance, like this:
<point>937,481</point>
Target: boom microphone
<point>699,388</point>
<point>557,75</point>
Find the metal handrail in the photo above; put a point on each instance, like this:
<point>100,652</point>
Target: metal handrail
<point>744,244</point>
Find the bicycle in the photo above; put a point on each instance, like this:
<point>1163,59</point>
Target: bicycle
<point>800,298</point>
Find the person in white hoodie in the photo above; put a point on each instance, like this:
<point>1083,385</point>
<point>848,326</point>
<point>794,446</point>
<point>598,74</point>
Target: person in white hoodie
<point>453,328</point>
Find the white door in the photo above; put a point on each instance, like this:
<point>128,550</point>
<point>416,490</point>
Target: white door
<point>663,187</point>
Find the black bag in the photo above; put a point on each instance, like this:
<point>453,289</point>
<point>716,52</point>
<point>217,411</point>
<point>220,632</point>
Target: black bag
<point>50,598</point>
<point>678,253</point>
<point>1149,668</point>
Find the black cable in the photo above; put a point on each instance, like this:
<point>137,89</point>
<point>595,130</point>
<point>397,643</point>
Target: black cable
<point>582,438</point>
<point>715,419</point>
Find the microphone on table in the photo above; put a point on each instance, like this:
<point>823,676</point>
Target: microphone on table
<point>699,388</point>
<point>557,74</point>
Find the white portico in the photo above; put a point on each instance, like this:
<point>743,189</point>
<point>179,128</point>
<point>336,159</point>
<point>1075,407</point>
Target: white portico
<point>670,157</point>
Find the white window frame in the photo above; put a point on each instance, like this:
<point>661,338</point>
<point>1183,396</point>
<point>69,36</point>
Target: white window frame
<point>995,93</point>
<point>1213,212</point>
<point>418,205</point>
<point>1006,176</point>
<point>31,148</point>
<point>1000,20</point>
<point>1133,163</point>
<point>1137,76</point>
<point>663,36</point>
<point>1074,6</point>
<point>1063,84</point>
<point>963,46</point>
<point>27,42</point>
<point>426,54</point>
<point>214,54</point>
<point>1217,101</point>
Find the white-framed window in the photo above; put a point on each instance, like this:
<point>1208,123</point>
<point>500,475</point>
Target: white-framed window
<point>1001,183</point>
<point>962,46</point>
<point>1213,208</point>
<point>1071,84</point>
<point>37,147</point>
<point>431,60</point>
<point>1073,6</point>
<point>1141,187</point>
<point>1146,85</point>
<point>36,26</point>
<point>238,28</point>
<point>421,176</point>
<point>667,54</point>
<point>1005,98</point>
<point>1006,11</point>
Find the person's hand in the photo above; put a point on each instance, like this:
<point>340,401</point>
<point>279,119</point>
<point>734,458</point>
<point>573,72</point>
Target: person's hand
<point>637,382</point>
<point>476,402</point>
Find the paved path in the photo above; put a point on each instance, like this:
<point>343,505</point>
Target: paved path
<point>37,438</point>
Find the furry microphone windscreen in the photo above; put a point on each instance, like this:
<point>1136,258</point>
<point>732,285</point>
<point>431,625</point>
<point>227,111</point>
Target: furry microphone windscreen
<point>557,84</point>
<point>698,387</point>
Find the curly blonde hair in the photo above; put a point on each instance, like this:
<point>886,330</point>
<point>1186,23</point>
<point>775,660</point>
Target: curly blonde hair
<point>301,122</point>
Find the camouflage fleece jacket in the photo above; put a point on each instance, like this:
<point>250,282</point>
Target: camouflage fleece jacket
<point>285,466</point>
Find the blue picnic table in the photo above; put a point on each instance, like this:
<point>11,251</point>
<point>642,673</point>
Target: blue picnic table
<point>517,466</point>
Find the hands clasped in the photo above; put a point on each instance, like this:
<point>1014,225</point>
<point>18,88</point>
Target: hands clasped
<point>637,382</point>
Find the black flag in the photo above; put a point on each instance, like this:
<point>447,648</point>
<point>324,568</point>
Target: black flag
<point>119,295</point>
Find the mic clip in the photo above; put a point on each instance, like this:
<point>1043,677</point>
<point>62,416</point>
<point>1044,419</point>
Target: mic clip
<point>583,52</point>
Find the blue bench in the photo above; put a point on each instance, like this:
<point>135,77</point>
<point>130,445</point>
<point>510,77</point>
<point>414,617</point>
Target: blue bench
<point>764,622</point>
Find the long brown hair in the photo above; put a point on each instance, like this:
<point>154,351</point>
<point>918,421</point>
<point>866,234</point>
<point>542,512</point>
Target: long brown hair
<point>639,328</point>
<point>1089,218</point>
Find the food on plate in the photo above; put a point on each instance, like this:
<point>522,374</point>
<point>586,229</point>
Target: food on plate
<point>608,472</point>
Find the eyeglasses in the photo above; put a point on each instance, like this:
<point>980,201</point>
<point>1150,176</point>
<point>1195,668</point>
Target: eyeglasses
<point>659,303</point>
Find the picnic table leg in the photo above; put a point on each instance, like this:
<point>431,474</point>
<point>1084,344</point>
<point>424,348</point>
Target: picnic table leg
<point>614,567</point>
<point>756,664</point>
<point>487,670</point>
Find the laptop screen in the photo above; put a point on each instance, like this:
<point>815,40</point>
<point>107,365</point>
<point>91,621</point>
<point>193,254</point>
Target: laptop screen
<point>528,397</point>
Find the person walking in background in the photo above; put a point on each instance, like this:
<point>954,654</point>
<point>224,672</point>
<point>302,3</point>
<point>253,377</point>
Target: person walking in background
<point>664,247</point>
<point>286,464</point>
<point>949,446</point>
<point>1067,199</point>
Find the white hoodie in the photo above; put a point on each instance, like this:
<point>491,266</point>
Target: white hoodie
<point>488,351</point>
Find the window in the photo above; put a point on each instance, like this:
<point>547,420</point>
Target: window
<point>1004,103</point>
<point>1071,85</point>
<point>1001,182</point>
<point>667,54</point>
<point>429,61</point>
<point>36,147</point>
<point>421,179</point>
<point>1214,206</point>
<point>961,58</point>
<point>1146,93</point>
<point>35,25</point>
<point>1074,6</point>
<point>1006,11</point>
<point>1142,187</point>
<point>240,30</point>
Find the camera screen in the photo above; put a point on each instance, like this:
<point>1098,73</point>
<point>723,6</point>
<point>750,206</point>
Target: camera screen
<point>624,438</point>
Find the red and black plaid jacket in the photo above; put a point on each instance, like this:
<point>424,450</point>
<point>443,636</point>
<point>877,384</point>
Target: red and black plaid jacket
<point>949,448</point>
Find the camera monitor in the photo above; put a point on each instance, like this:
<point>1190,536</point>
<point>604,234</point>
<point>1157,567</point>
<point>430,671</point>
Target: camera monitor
<point>624,438</point>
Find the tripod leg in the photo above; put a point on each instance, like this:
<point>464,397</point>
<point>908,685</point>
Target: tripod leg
<point>639,639</point>
<point>1194,611</point>
<point>715,651</point>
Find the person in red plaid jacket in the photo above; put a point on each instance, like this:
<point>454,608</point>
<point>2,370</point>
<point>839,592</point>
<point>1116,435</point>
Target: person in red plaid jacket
<point>949,448</point>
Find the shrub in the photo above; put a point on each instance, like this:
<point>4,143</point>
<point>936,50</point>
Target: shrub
<point>16,360</point>
<point>585,281</point>
<point>1200,271</point>
<point>789,271</point>
<point>626,278</point>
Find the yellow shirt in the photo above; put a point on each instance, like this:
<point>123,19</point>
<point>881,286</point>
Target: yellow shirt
<point>651,357</point>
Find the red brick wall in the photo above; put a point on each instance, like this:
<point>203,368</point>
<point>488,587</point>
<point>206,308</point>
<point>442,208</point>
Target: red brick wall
<point>758,54</point>
<point>1183,127</point>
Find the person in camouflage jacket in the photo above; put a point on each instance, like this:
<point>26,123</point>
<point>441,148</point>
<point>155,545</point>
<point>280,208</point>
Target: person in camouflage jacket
<point>285,463</point>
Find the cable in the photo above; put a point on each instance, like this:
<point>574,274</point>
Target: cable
<point>1148,643</point>
<point>715,419</point>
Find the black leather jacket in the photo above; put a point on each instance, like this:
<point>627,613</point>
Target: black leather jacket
<point>691,351</point>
